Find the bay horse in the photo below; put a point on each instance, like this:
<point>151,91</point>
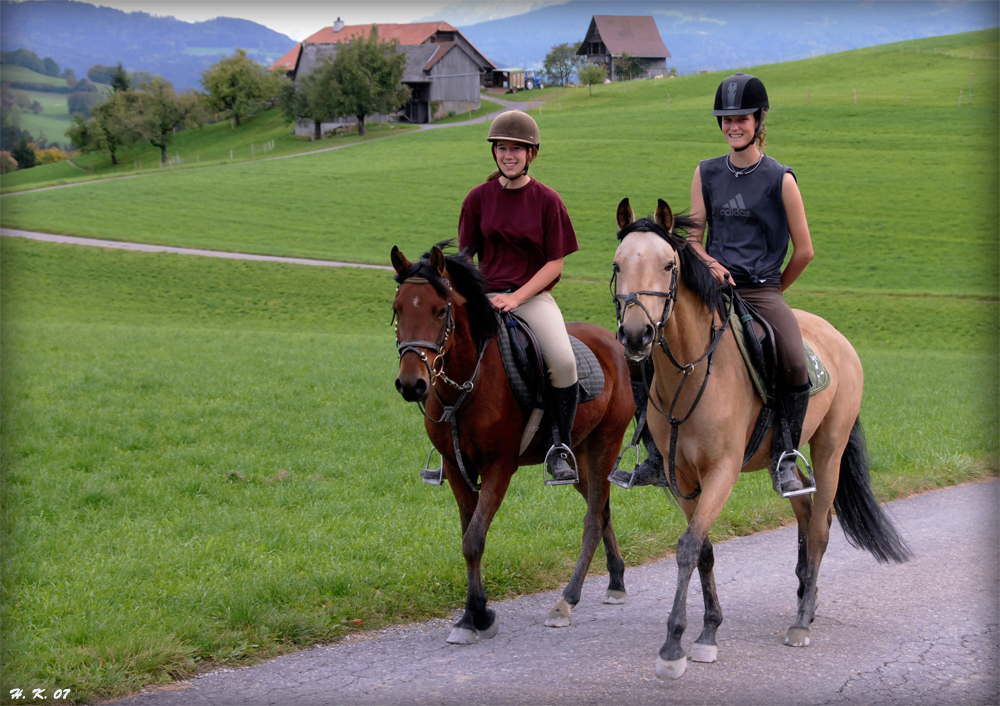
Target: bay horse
<point>702,411</point>
<point>450,363</point>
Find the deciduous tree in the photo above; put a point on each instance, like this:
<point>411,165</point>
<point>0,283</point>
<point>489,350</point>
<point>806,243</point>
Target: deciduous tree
<point>114,125</point>
<point>315,98</point>
<point>161,111</point>
<point>591,74</point>
<point>238,85</point>
<point>561,62</point>
<point>368,74</point>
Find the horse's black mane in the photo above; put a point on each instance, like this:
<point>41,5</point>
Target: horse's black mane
<point>694,272</point>
<point>467,280</point>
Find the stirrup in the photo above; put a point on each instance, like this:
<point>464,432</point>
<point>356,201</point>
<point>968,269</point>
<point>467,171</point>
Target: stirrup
<point>809,486</point>
<point>433,476</point>
<point>621,477</point>
<point>570,458</point>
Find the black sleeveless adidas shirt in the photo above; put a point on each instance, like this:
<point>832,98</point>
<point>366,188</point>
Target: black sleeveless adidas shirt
<point>745,219</point>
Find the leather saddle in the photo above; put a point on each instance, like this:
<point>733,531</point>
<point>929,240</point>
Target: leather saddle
<point>526,370</point>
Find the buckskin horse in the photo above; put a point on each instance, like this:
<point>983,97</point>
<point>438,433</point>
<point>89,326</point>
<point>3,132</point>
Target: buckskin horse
<point>450,363</point>
<point>702,412</point>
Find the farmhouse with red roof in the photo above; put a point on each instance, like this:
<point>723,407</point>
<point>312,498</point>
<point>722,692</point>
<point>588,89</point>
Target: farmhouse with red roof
<point>443,70</point>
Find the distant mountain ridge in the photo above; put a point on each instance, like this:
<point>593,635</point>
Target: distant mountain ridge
<point>720,35</point>
<point>701,36</point>
<point>78,35</point>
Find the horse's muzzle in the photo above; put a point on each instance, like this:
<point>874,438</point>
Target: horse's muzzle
<point>638,344</point>
<point>413,388</point>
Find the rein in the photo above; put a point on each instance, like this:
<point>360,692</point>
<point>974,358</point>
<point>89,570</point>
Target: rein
<point>622,302</point>
<point>436,372</point>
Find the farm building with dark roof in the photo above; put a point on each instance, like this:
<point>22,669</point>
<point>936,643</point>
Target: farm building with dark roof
<point>609,37</point>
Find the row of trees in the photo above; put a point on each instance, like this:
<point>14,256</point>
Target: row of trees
<point>364,78</point>
<point>150,113</point>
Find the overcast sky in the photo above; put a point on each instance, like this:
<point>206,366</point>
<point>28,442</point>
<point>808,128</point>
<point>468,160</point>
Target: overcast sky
<point>300,18</point>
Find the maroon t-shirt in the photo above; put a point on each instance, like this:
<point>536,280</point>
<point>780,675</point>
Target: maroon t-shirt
<point>514,232</point>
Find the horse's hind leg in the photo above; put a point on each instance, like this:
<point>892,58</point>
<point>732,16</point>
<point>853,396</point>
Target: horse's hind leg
<point>616,594</point>
<point>814,518</point>
<point>705,648</point>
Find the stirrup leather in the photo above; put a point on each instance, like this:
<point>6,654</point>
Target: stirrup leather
<point>810,485</point>
<point>567,453</point>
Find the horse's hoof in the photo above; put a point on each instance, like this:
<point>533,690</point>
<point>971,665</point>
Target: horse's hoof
<point>797,637</point>
<point>701,652</point>
<point>615,597</point>
<point>464,636</point>
<point>672,669</point>
<point>489,632</point>
<point>559,617</point>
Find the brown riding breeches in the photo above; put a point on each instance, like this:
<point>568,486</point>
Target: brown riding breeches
<point>793,372</point>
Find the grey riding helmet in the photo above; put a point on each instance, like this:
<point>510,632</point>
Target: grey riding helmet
<point>741,94</point>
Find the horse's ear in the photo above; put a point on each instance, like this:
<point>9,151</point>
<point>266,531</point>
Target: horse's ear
<point>664,216</point>
<point>399,261</point>
<point>437,261</point>
<point>625,215</point>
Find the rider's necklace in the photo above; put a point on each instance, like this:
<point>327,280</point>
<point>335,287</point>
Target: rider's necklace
<point>743,172</point>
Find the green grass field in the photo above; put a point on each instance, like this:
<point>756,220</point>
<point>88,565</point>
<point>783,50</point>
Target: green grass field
<point>200,457</point>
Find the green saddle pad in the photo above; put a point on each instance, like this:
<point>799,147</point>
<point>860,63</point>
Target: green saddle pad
<point>819,376</point>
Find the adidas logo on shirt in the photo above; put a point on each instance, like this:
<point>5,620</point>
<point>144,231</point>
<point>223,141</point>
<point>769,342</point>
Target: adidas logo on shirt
<point>735,207</point>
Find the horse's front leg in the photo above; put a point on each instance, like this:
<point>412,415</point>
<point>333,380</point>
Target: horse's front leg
<point>673,661</point>
<point>705,648</point>
<point>694,550</point>
<point>477,622</point>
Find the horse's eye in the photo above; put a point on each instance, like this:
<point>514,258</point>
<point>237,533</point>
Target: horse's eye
<point>616,268</point>
<point>670,266</point>
<point>441,314</point>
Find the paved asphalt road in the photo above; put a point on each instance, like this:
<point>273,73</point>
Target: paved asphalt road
<point>920,634</point>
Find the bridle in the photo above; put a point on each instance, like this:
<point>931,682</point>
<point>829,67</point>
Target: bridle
<point>435,370</point>
<point>622,302</point>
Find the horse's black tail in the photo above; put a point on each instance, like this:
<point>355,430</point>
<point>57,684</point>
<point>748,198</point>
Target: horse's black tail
<point>864,522</point>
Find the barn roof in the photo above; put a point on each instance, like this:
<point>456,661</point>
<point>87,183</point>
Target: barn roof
<point>623,34</point>
<point>414,34</point>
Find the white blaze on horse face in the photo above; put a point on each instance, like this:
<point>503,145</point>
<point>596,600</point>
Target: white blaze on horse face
<point>416,302</point>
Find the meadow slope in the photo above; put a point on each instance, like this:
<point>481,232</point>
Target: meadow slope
<point>204,462</point>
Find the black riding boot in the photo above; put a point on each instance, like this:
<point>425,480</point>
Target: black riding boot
<point>560,461</point>
<point>792,405</point>
<point>650,471</point>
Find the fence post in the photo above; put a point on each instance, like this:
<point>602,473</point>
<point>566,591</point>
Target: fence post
<point>855,96</point>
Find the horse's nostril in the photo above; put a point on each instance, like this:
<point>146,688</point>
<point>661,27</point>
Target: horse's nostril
<point>399,386</point>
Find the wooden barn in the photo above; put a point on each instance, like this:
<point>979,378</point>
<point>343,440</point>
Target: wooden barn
<point>611,36</point>
<point>443,70</point>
